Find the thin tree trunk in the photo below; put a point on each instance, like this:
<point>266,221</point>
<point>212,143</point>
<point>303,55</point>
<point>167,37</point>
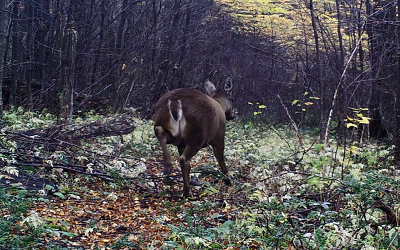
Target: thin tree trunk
<point>121,88</point>
<point>14,56</point>
<point>397,104</point>
<point>67,74</point>
<point>360,28</point>
<point>339,30</point>
<point>3,28</point>
<point>29,57</point>
<point>98,50</point>
<point>373,95</point>
<point>340,94</point>
<point>318,69</point>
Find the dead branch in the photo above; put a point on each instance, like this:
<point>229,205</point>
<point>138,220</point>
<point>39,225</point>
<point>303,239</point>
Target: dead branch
<point>390,214</point>
<point>37,147</point>
<point>111,126</point>
<point>292,122</point>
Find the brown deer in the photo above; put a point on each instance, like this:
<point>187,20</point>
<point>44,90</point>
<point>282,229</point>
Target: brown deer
<point>191,120</point>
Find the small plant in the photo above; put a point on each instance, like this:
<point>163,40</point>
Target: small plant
<point>18,228</point>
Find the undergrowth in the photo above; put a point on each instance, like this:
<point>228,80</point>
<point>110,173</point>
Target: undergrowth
<point>287,193</point>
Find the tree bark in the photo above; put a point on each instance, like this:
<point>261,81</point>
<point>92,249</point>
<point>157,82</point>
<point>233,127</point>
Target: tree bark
<point>14,56</point>
<point>3,28</point>
<point>67,74</point>
<point>397,102</point>
<point>318,70</point>
<point>29,55</point>
<point>121,87</point>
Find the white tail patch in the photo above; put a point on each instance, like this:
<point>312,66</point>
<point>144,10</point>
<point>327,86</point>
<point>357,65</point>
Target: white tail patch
<point>177,119</point>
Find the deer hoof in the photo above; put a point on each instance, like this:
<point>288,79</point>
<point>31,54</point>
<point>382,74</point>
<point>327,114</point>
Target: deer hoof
<point>227,181</point>
<point>167,169</point>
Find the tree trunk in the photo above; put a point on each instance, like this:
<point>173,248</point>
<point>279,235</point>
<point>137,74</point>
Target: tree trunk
<point>3,28</point>
<point>67,74</point>
<point>339,30</point>
<point>341,108</point>
<point>14,56</point>
<point>121,87</point>
<point>318,70</point>
<point>397,103</point>
<point>98,50</point>
<point>29,55</point>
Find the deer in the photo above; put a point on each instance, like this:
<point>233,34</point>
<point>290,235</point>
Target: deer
<point>191,120</point>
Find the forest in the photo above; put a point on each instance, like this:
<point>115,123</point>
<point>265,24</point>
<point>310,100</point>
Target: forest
<point>311,154</point>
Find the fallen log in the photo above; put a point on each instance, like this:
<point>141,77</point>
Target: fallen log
<point>35,148</point>
<point>110,126</point>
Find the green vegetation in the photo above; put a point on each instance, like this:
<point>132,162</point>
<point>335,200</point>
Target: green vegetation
<point>285,194</point>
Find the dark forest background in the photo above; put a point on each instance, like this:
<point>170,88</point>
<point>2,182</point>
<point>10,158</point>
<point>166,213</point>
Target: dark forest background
<point>65,56</point>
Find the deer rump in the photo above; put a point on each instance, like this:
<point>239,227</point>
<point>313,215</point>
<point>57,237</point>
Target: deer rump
<point>190,117</point>
<point>190,120</point>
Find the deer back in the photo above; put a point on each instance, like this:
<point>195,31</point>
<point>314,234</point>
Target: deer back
<point>190,115</point>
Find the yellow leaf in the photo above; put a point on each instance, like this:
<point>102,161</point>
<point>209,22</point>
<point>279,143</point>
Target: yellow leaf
<point>294,102</point>
<point>262,107</point>
<point>308,103</point>
<point>364,120</point>
<point>250,103</point>
<point>349,125</point>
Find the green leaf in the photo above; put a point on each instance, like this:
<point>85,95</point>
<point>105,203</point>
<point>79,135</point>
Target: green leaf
<point>319,147</point>
<point>171,244</point>
<point>314,98</point>
<point>294,102</point>
<point>60,195</point>
<point>225,227</point>
<point>68,234</point>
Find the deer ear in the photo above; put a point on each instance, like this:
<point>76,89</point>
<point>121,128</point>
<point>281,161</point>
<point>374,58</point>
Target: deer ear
<point>228,85</point>
<point>210,88</point>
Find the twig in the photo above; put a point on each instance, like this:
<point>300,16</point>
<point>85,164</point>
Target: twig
<point>292,122</point>
<point>335,95</point>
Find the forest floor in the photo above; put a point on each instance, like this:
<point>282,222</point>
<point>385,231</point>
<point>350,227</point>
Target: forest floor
<point>102,216</point>
<point>288,192</point>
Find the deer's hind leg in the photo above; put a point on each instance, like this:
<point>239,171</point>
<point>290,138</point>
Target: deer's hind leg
<point>162,137</point>
<point>184,162</point>
<point>218,148</point>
